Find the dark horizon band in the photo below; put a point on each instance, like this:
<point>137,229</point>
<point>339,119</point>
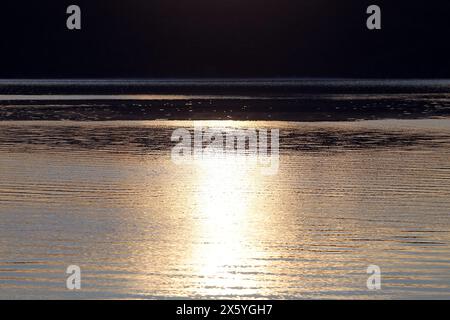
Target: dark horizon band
<point>257,86</point>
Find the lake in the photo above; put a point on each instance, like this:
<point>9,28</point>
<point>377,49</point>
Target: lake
<point>107,197</point>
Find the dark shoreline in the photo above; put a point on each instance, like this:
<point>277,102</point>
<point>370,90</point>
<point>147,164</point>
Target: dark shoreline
<point>254,87</point>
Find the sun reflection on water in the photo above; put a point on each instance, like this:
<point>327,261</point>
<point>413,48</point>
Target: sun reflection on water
<point>224,206</point>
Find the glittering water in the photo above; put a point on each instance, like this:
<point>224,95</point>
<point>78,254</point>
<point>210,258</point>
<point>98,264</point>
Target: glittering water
<point>107,197</point>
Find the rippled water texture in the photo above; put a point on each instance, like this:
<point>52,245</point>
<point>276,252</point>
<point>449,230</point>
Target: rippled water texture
<point>107,197</point>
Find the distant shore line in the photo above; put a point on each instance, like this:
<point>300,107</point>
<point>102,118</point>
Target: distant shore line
<point>269,87</point>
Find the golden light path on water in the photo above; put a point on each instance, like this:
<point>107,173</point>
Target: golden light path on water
<point>224,209</point>
<point>223,206</point>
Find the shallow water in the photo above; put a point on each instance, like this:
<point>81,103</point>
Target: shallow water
<point>108,198</point>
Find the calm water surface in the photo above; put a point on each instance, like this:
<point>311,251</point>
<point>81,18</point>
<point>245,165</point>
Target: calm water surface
<point>107,197</point>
